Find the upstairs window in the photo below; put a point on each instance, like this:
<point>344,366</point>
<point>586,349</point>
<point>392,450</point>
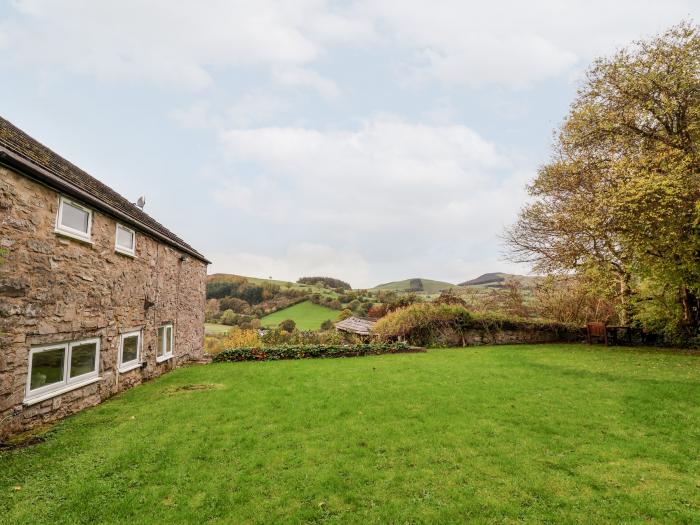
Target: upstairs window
<point>125,240</point>
<point>165,343</point>
<point>61,367</point>
<point>74,220</point>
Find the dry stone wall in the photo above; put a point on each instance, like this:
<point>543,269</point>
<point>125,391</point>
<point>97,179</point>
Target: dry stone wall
<point>55,289</point>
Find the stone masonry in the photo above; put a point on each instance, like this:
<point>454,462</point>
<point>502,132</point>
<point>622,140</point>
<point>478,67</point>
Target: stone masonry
<point>55,289</point>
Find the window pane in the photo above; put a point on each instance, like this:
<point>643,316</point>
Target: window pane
<point>125,238</point>
<point>169,340</point>
<point>82,359</point>
<point>47,368</point>
<point>161,335</point>
<point>75,218</point>
<point>130,348</point>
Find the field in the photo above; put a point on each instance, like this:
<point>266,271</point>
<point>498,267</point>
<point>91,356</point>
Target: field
<point>557,434</point>
<point>307,316</point>
<point>284,285</point>
<point>216,329</point>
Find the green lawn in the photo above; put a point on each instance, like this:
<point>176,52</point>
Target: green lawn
<point>216,329</point>
<point>307,316</point>
<point>557,434</point>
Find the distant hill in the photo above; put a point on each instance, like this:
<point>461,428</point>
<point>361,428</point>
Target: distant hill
<point>416,284</point>
<point>498,279</point>
<point>311,288</point>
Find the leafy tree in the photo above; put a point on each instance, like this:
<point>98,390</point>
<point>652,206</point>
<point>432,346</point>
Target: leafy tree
<point>620,197</point>
<point>229,318</point>
<point>415,285</point>
<point>329,282</point>
<point>212,310</point>
<point>288,325</point>
<point>219,289</point>
<point>335,304</point>
<point>239,306</point>
<point>344,314</point>
<point>376,311</point>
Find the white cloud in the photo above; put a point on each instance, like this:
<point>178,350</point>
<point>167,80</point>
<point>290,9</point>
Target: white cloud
<point>393,189</point>
<point>182,42</point>
<point>303,259</point>
<point>198,115</point>
<point>513,43</point>
<point>299,77</point>
<point>185,43</point>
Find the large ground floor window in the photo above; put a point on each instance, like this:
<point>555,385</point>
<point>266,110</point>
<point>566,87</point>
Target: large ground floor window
<point>60,366</point>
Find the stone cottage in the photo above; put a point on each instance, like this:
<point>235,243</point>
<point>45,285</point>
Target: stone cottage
<point>95,295</point>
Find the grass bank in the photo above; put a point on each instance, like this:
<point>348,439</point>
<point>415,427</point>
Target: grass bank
<point>306,315</point>
<point>493,434</point>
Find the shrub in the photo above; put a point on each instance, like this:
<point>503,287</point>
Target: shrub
<point>229,318</point>
<point>422,323</point>
<point>435,323</point>
<point>288,325</point>
<point>239,337</point>
<point>450,297</point>
<point>344,314</point>
<point>309,351</point>
<point>327,325</point>
<point>213,344</point>
<point>377,310</point>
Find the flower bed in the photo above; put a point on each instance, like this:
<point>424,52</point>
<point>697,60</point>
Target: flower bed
<point>311,351</point>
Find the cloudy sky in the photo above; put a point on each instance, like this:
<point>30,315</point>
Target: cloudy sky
<point>368,140</point>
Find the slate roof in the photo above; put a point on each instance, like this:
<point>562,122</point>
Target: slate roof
<point>22,151</point>
<point>356,325</point>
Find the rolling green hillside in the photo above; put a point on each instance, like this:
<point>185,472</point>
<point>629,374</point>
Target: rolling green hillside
<point>416,285</point>
<point>497,279</point>
<point>307,316</point>
<point>311,288</point>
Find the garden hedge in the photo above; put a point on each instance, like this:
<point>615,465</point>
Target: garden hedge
<point>311,351</point>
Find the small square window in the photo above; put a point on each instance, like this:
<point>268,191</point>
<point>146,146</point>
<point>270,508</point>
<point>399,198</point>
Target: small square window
<point>125,241</point>
<point>129,351</point>
<point>164,350</point>
<point>73,220</point>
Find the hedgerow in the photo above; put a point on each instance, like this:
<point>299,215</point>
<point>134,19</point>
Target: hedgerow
<point>435,324</point>
<point>310,351</point>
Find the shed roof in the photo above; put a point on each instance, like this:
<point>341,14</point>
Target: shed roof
<point>19,150</point>
<point>356,325</point>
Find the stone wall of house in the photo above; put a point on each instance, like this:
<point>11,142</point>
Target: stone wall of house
<point>55,289</point>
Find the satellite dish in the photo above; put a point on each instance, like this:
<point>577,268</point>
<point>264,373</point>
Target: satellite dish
<point>141,202</point>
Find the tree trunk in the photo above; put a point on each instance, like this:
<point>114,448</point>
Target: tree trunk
<point>691,310</point>
<point>625,299</point>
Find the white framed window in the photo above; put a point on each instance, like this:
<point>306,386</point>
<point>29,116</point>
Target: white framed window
<point>129,351</point>
<point>73,219</point>
<point>125,240</point>
<point>164,349</point>
<point>60,367</point>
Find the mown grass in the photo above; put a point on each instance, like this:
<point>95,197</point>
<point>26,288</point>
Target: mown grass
<point>216,329</point>
<point>557,434</point>
<point>306,315</point>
